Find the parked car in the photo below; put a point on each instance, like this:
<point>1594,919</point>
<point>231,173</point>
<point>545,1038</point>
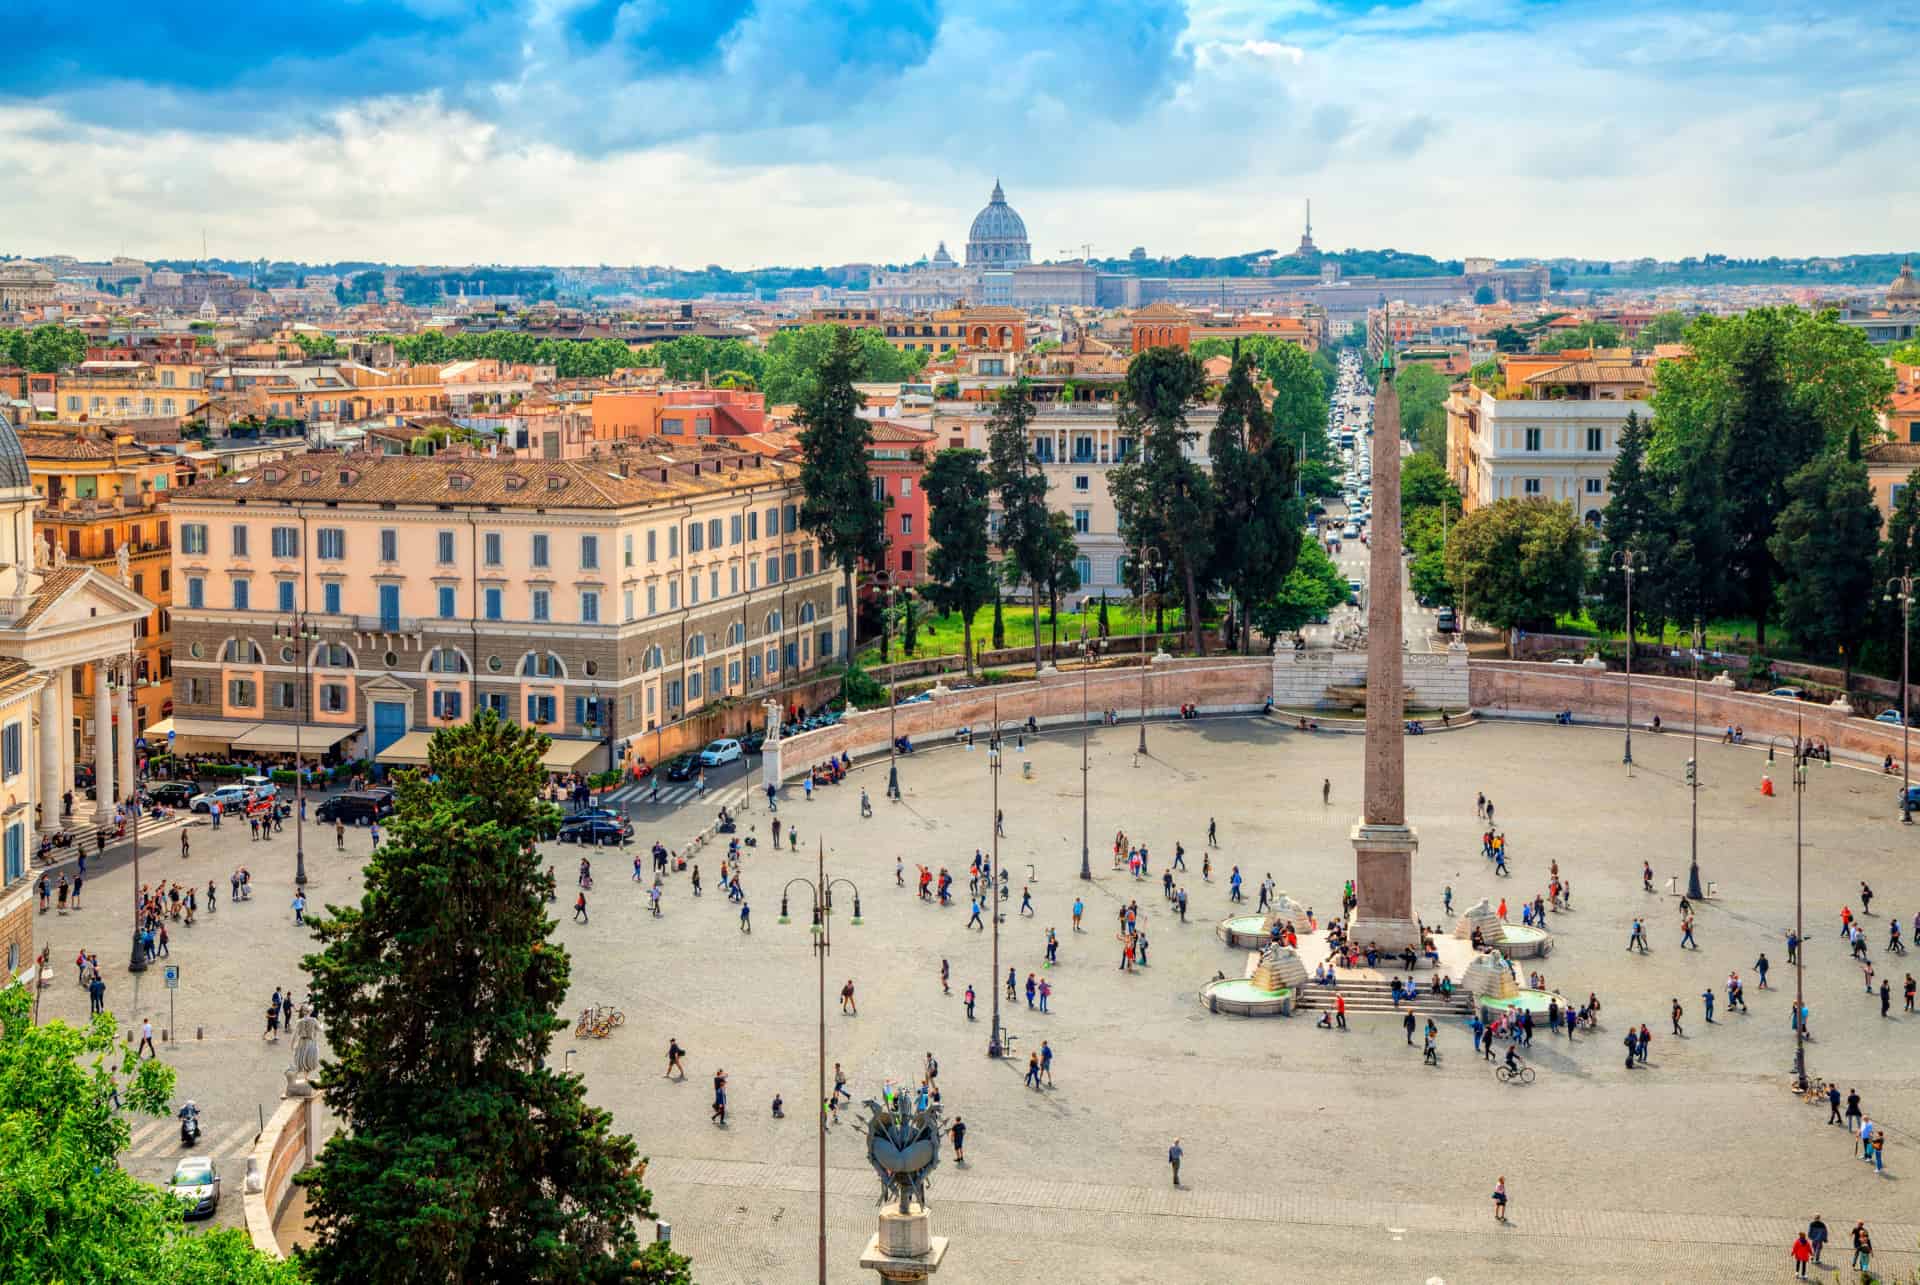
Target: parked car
<point>721,751</point>
<point>595,830</point>
<point>594,814</point>
<point>230,796</point>
<point>1913,798</point>
<point>1445,621</point>
<point>753,742</point>
<point>357,807</point>
<point>1888,716</point>
<point>683,768</point>
<point>173,794</point>
<point>1791,693</point>
<point>196,1182</point>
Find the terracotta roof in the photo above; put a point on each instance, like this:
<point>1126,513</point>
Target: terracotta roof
<point>653,473</point>
<point>1591,372</point>
<point>1163,310</point>
<point>887,431</point>
<point>70,446</point>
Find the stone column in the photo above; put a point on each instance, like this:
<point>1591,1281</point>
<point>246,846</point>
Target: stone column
<point>125,765</point>
<point>1383,842</point>
<point>52,754</point>
<point>103,784</point>
<point>68,749</point>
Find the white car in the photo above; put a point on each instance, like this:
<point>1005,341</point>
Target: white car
<point>720,752</point>
<point>233,795</point>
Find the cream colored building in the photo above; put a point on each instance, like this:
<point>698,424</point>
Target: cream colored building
<point>1547,429</point>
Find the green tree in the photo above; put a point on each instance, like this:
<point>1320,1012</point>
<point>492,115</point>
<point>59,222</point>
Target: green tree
<point>960,567</point>
<point>1427,577</point>
<point>1508,339</point>
<point>1483,295</point>
<point>1826,542</point>
<point>1899,555</point>
<point>1257,522</point>
<point>1062,573</point>
<point>1518,562</point>
<point>1022,491</point>
<point>840,509</point>
<point>465,1156</point>
<point>1313,588</point>
<point>316,345</point>
<point>999,621</point>
<point>1588,334</point>
<point>1423,408</point>
<point>1634,528</point>
<point>1163,497</point>
<point>1424,484</point>
<point>46,349</point>
<point>1666,328</point>
<point>68,1211</point>
<point>1106,628</point>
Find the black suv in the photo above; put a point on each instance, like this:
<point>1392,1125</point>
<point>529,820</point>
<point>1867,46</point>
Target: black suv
<point>172,794</point>
<point>359,807</point>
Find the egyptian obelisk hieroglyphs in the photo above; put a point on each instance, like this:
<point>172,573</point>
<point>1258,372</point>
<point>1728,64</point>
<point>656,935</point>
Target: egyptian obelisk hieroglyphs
<point>1383,842</point>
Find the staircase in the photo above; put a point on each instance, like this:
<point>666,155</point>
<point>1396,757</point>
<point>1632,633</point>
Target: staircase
<point>1374,995</point>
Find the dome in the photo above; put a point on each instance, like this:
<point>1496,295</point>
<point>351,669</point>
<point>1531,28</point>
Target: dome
<point>26,272</point>
<point>998,237</point>
<point>1905,291</point>
<point>942,259</point>
<point>14,475</point>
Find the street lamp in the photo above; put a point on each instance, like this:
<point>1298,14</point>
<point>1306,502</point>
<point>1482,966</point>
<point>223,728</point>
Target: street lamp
<point>1693,769</point>
<point>1624,563</point>
<point>1086,668</point>
<point>1904,584</point>
<point>994,1045</point>
<point>1799,924</point>
<point>300,633</point>
<point>893,722</point>
<point>136,962</point>
<point>821,889</point>
<point>1150,561</point>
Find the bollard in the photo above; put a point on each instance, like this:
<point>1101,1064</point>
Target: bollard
<point>663,1233</point>
<point>199,1032</point>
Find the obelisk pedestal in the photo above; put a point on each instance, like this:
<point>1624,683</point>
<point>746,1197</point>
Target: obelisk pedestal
<point>1383,842</point>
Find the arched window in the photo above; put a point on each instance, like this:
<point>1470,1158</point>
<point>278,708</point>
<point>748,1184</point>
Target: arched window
<point>542,664</point>
<point>774,622</point>
<point>650,659</point>
<point>806,613</point>
<point>239,651</point>
<point>332,656</point>
<point>446,660</point>
<point>1593,517</point>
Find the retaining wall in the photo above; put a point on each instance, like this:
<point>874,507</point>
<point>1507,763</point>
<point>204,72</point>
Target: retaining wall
<point>287,1147</point>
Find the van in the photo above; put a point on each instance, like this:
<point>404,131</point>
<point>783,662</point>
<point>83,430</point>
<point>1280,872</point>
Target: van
<point>1444,621</point>
<point>357,807</point>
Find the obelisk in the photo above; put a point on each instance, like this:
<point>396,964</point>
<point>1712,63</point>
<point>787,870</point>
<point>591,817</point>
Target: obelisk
<point>1383,842</point>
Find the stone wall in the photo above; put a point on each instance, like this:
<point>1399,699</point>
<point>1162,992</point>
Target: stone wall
<point>1301,678</point>
<point>16,924</point>
<point>287,1147</point>
<point>1215,685</point>
<point>1595,696</point>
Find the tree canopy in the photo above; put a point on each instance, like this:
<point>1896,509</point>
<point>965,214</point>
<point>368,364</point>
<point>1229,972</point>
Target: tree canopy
<point>1163,497</point>
<point>839,508</point>
<point>43,349</point>
<point>959,567</point>
<point>1021,489</point>
<point>1518,562</point>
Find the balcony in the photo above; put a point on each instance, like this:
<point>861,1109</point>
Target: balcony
<point>70,508</point>
<point>386,624</point>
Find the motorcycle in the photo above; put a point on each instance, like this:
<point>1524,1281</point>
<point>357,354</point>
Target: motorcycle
<point>189,1127</point>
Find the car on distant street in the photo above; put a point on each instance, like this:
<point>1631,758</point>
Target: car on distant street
<point>1791,693</point>
<point>356,807</point>
<point>230,796</point>
<point>196,1184</point>
<point>683,768</point>
<point>596,831</point>
<point>721,751</point>
<point>172,794</point>
<point>1444,621</point>
<point>1888,716</point>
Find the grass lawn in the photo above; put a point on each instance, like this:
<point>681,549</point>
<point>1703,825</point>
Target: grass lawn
<point>1722,635</point>
<point>941,635</point>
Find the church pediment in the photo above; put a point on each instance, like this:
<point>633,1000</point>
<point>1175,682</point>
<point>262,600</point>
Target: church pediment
<point>73,596</point>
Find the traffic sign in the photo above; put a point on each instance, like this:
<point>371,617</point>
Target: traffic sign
<point>173,976</point>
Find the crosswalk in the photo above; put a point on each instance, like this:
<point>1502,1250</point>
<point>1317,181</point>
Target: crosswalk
<point>672,794</point>
<point>161,1138</point>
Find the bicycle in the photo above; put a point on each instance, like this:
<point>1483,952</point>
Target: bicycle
<point>1510,1075</point>
<point>600,1021</point>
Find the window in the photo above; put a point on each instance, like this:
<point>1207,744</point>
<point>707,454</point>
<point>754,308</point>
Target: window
<point>1081,482</point>
<point>626,604</point>
<point>589,607</point>
<point>753,521</point>
<point>1082,521</point>
<point>753,667</point>
<point>540,549</point>
<point>906,524</point>
<point>283,695</point>
<point>1083,567</point>
<point>1532,438</point>
<point>789,517</point>
<point>1593,485</point>
<point>241,595</point>
<point>807,613</point>
<point>539,709</point>
<point>673,594</point>
<point>286,542</point>
<point>773,569</point>
<point>490,603</point>
<point>541,610</point>
<point>773,661</point>
<point>693,588</point>
<point>16,869</point>
<point>10,749</point>
<point>330,598</point>
<point>542,664</point>
<point>673,693</point>
<point>1594,437</point>
<point>1123,450</point>
<point>693,685</point>
<point>590,552</point>
<point>672,427</point>
<point>713,533</point>
<point>773,522</point>
<point>653,599</point>
<point>789,564</point>
<point>906,559</point>
<point>389,545</point>
<point>1043,450</point>
<point>332,656</point>
<point>793,655</point>
<point>696,537</point>
<point>446,705</point>
<point>196,591</point>
<point>626,549</point>
<point>333,697</point>
<point>906,486</point>
<point>586,711</point>
<point>445,595</point>
<point>193,537</point>
<point>825,648</point>
<point>445,542</point>
<point>166,579</point>
<point>1083,449</point>
<point>240,692</point>
<point>653,546</point>
<point>285,589</point>
<point>1531,486</point>
<point>330,543</point>
<point>490,548</point>
<point>495,701</point>
<point>673,540</point>
<point>733,529</point>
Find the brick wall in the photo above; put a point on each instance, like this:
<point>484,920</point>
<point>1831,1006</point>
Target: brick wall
<point>16,925</point>
<point>1213,685</point>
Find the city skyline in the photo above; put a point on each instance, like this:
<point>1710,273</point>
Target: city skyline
<point>770,133</point>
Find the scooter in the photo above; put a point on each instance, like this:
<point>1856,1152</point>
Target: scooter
<point>189,1127</point>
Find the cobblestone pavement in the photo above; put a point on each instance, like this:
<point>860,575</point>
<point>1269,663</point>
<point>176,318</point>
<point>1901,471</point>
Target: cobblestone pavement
<point>1338,1153</point>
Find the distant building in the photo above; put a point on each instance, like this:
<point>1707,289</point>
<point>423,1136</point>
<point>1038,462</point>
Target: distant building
<point>25,285</point>
<point>998,237</point>
<point>1307,247</point>
<point>1899,320</point>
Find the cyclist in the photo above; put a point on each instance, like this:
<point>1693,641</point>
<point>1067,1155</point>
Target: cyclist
<point>1513,1060</point>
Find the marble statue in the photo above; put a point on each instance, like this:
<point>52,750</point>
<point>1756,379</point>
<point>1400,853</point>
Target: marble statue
<point>123,565</point>
<point>306,1054</point>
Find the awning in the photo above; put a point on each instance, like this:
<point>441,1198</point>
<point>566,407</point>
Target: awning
<point>313,737</point>
<point>565,756</point>
<point>409,751</point>
<point>192,735</point>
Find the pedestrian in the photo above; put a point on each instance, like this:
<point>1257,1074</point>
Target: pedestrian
<point>1340,1011</point>
<point>1907,991</point>
<point>1707,997</point>
<point>1686,933</point>
<point>1833,1105</point>
<point>968,998</point>
<point>1026,901</point>
<point>1212,834</point>
<point>1862,1246</point>
<point>1033,1070</point>
<point>1802,1251</point>
<point>847,1006</point>
<point>1816,1237</point>
<point>299,907</point>
<point>1408,1022</point>
<point>96,994</point>
<point>1174,1155</point>
<point>1500,1200</point>
<point>273,1019</point>
<point>674,1054</point>
<point>1079,907</point>
<point>1854,1114</point>
<point>944,974</point>
<point>580,908</point>
<point>1761,966</point>
<point>1886,998</point>
<point>958,1132</point>
<point>719,1115</point>
<point>1646,875</point>
<point>1326,791</point>
<point>746,916</point>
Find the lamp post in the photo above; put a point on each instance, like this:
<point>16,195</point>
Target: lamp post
<point>1624,563</point>
<point>1900,590</point>
<point>1086,668</point>
<point>1693,770</point>
<point>136,962</point>
<point>994,1046</point>
<point>893,722</point>
<point>298,632</point>
<point>1799,924</point>
<point>821,889</point>
<point>1149,563</point>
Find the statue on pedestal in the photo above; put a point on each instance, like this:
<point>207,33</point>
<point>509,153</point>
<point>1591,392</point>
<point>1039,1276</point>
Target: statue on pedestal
<point>306,1054</point>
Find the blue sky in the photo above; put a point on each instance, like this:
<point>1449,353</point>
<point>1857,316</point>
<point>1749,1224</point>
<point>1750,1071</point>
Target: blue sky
<point>794,131</point>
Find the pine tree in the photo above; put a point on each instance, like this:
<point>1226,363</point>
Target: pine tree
<point>840,509</point>
<point>1633,525</point>
<point>1256,536</point>
<point>1022,490</point>
<point>1164,499</point>
<point>999,622</point>
<point>1105,628</point>
<point>1825,542</point>
<point>464,1157</point>
<point>960,570</point>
